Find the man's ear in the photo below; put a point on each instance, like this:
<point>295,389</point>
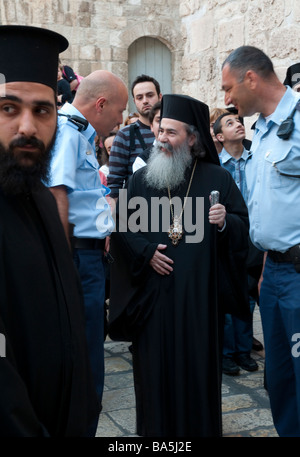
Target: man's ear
<point>220,137</point>
<point>191,140</point>
<point>100,102</point>
<point>251,79</point>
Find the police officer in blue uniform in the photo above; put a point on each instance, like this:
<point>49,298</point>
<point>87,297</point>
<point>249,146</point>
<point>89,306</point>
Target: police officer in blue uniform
<point>272,175</point>
<point>81,198</point>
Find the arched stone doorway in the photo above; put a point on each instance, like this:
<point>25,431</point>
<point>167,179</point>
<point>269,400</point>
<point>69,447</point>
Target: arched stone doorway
<point>149,56</point>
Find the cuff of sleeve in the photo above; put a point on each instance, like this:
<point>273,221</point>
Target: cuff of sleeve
<point>223,228</point>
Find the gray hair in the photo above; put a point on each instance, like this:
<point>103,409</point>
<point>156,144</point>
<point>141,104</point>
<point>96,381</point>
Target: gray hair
<point>247,58</point>
<point>197,150</point>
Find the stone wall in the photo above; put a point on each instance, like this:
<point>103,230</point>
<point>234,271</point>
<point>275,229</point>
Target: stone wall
<point>199,34</point>
<point>101,31</point>
<point>213,28</point>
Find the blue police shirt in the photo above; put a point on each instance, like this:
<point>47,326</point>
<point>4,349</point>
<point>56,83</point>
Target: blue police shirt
<point>273,199</point>
<point>236,168</point>
<point>74,165</point>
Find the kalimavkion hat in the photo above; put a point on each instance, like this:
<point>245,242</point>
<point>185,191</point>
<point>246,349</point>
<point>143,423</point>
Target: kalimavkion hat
<point>30,54</point>
<point>292,75</point>
<point>193,112</point>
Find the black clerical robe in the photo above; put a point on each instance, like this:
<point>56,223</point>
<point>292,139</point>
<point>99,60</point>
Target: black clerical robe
<point>46,387</point>
<point>175,321</point>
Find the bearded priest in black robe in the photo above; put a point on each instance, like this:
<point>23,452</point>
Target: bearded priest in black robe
<point>46,385</point>
<point>180,263</point>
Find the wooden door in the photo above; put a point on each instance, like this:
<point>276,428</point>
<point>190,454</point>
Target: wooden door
<point>151,57</point>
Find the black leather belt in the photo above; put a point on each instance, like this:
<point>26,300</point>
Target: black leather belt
<point>280,257</point>
<point>88,243</point>
<point>290,256</point>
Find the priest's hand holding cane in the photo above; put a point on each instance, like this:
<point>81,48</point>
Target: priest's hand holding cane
<point>217,212</point>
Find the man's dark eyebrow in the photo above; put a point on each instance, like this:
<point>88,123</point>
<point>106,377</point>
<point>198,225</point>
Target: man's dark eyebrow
<point>13,98</point>
<point>235,118</point>
<point>43,103</point>
<point>150,92</point>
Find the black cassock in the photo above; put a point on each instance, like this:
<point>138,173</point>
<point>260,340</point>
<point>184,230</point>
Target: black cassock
<point>175,322</point>
<point>46,388</point>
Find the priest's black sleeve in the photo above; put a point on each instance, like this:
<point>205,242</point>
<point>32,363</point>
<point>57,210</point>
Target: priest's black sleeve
<point>130,299</point>
<point>233,252</point>
<point>136,247</point>
<point>17,416</point>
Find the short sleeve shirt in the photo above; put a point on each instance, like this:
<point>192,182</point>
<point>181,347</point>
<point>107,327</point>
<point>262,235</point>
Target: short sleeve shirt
<point>74,165</point>
<point>273,180</point>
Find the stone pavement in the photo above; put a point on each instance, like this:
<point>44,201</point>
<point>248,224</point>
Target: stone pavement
<point>246,411</point>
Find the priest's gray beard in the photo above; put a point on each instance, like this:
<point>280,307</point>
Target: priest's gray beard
<point>162,170</point>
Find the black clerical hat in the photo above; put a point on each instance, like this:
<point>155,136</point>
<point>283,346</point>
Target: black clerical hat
<point>292,75</point>
<point>30,54</point>
<point>193,112</point>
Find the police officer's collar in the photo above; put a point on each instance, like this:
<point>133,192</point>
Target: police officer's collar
<point>89,133</point>
<point>282,111</point>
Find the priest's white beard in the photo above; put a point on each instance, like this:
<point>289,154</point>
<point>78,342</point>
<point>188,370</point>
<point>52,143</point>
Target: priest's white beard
<point>167,170</point>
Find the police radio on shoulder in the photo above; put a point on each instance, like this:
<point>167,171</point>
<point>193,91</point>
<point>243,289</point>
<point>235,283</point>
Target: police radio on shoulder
<point>287,126</point>
<point>80,122</point>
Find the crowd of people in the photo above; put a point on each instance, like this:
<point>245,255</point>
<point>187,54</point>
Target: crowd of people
<point>173,217</point>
